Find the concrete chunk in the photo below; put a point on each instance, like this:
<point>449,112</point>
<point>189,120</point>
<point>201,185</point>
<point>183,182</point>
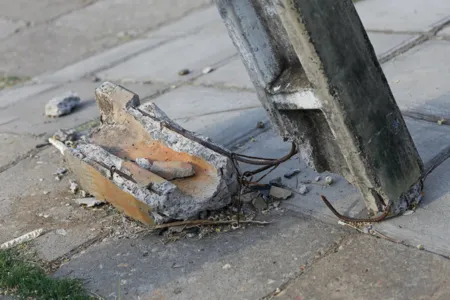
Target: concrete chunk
<point>63,105</point>
<point>111,167</point>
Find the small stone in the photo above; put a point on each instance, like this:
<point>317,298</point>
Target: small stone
<point>41,179</point>
<point>45,216</point>
<point>226,267</point>
<point>83,193</point>
<point>408,212</point>
<point>60,171</point>
<point>57,178</point>
<point>61,232</point>
<point>303,189</point>
<point>276,204</point>
<point>260,125</point>
<point>45,192</point>
<point>279,193</point>
<point>420,247</point>
<point>259,203</point>
<point>329,180</point>
<point>62,105</point>
<point>207,70</point>
<point>65,135</point>
<point>190,235</point>
<point>292,173</point>
<point>89,202</point>
<point>73,187</point>
<point>95,79</point>
<point>184,72</point>
<point>318,178</point>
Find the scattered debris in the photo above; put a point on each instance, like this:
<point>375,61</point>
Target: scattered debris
<point>318,178</point>
<point>167,169</point>
<point>226,267</point>
<point>329,180</point>
<point>279,193</point>
<point>420,247</point>
<point>275,181</point>
<point>408,212</point>
<point>259,203</point>
<point>65,135</point>
<point>62,232</point>
<point>73,187</point>
<point>303,189</point>
<point>60,171</point>
<point>184,72</point>
<point>45,192</point>
<point>292,173</point>
<point>260,124</point>
<point>207,70</point>
<point>89,202</point>
<point>22,239</point>
<point>62,105</point>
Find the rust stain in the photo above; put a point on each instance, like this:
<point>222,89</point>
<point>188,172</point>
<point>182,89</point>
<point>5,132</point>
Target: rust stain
<point>130,141</point>
<point>102,188</point>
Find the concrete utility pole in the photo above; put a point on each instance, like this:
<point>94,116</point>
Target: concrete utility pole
<point>317,76</point>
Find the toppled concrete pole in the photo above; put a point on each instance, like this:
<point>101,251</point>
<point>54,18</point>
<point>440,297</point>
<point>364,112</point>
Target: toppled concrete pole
<point>183,179</point>
<point>316,74</point>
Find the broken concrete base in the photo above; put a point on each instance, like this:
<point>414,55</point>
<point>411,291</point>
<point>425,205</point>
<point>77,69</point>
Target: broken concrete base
<point>106,166</point>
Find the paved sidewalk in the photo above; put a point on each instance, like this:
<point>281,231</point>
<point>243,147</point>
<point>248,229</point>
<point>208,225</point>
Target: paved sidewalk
<point>304,253</point>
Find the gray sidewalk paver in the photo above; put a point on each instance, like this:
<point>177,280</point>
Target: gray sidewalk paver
<point>163,63</point>
<point>428,225</point>
<point>8,27</point>
<point>260,259</point>
<point>364,267</point>
<point>419,79</point>
<point>28,116</point>
<point>99,61</point>
<point>445,31</point>
<point>402,15</point>
<point>39,11</point>
<point>193,101</point>
<point>15,146</point>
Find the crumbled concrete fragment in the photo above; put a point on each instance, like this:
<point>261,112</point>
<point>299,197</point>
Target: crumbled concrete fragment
<point>318,178</point>
<point>167,169</point>
<point>292,173</point>
<point>89,202</point>
<point>329,180</point>
<point>279,193</point>
<point>60,171</point>
<point>226,267</point>
<point>62,105</point>
<point>65,135</point>
<point>73,187</point>
<point>303,189</point>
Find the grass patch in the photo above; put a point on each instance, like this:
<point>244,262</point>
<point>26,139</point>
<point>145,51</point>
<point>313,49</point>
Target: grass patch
<point>28,280</point>
<point>9,81</point>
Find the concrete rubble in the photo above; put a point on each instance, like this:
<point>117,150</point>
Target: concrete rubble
<point>62,105</point>
<point>142,163</point>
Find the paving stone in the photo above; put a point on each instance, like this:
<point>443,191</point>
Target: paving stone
<point>227,128</point>
<point>192,23</point>
<point>28,116</point>
<point>8,27</point>
<point>15,146</point>
<point>402,15</point>
<point>429,225</point>
<point>234,74</point>
<point>163,63</point>
<point>444,31</point>
<point>192,101</point>
<point>364,267</point>
<point>39,11</point>
<point>419,81</point>
<point>25,207</point>
<point>10,96</point>
<point>259,259</point>
<point>99,61</point>
<point>52,245</point>
<point>136,16</point>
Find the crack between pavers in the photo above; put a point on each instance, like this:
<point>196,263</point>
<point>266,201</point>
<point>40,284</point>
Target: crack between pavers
<point>19,158</point>
<point>308,266</point>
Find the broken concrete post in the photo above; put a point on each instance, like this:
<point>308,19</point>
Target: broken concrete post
<point>106,165</point>
<point>316,74</point>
